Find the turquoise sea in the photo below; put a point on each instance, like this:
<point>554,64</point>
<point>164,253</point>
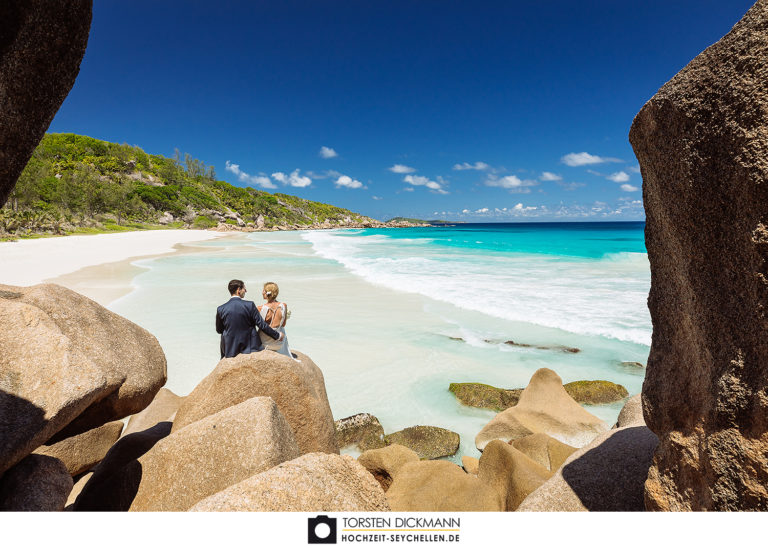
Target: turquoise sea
<point>393,316</point>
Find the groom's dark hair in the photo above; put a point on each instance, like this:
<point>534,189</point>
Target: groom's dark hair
<point>234,285</point>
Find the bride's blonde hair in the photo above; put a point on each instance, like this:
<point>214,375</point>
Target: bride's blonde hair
<point>272,291</point>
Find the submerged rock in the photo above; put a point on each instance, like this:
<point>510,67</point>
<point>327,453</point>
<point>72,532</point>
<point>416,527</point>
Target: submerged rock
<point>702,145</point>
<point>476,394</point>
<point>41,46</point>
<point>363,430</point>
<point>544,407</point>
<point>595,392</point>
<point>429,442</point>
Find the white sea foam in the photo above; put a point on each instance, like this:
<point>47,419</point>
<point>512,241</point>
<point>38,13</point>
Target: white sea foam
<point>604,297</point>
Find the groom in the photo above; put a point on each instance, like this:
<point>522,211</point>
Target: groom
<point>239,322</point>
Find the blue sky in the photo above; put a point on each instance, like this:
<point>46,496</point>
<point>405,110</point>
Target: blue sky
<point>474,111</point>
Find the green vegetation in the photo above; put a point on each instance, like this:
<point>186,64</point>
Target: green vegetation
<point>75,183</point>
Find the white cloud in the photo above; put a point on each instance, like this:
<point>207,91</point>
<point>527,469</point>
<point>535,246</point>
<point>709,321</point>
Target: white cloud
<point>348,182</point>
<point>408,189</point>
<point>482,210</point>
<point>629,188</point>
<point>635,169</point>
<point>418,180</point>
<point>618,177</point>
<point>520,208</point>
<point>294,179</point>
<point>479,166</point>
<point>400,168</point>
<point>513,183</point>
<point>327,152</point>
<point>377,197</point>
<point>548,176</point>
<point>571,186</point>
<point>575,159</point>
<point>253,180</point>
<point>465,211</point>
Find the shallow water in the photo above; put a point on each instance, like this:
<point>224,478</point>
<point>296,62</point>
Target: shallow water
<point>378,311</point>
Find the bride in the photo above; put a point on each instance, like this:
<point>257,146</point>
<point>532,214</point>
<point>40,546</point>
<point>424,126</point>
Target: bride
<point>275,314</point>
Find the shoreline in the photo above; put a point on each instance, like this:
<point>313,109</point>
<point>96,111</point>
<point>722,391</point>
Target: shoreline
<point>40,260</point>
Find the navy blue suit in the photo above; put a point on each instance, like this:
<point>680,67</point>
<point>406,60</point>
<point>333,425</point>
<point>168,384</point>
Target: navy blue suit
<point>238,321</point>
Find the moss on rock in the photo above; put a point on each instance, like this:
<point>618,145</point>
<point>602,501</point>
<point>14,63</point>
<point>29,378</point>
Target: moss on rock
<point>595,392</point>
<point>475,394</point>
<point>362,430</point>
<point>429,442</point>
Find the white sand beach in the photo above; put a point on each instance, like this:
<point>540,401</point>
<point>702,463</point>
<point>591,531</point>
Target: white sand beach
<point>30,262</point>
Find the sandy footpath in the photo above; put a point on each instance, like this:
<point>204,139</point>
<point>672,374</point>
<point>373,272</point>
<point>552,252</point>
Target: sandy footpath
<point>29,262</point>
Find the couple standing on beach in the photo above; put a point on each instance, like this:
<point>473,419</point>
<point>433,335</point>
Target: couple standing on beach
<point>241,325</point>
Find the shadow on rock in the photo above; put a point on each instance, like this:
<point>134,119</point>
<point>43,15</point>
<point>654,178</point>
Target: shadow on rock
<point>611,476</point>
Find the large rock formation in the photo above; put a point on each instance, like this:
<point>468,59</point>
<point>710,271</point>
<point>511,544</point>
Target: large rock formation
<point>68,365</point>
<point>429,442</point>
<point>702,145</point>
<point>607,475</point>
<point>315,482</point>
<point>544,450</point>
<point>510,473</point>
<point>199,460</point>
<point>297,387</point>
<point>544,407</point>
<point>384,463</point>
<point>41,45</point>
<point>440,486</point>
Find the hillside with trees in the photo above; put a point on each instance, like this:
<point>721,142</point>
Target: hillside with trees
<point>74,183</point>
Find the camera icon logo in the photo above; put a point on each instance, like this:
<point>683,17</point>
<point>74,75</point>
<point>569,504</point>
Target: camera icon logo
<point>321,530</point>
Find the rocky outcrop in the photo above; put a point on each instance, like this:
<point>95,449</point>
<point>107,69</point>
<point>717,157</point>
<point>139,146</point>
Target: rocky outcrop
<point>544,450</point>
<point>607,475</point>
<point>429,442</point>
<point>384,463</point>
<point>363,431</point>
<point>38,483</point>
<point>114,482</point>
<point>315,482</point>
<point>163,408</point>
<point>76,490</point>
<point>632,413</point>
<point>440,486</point>
<point>68,365</point>
<point>471,465</point>
<point>702,145</point>
<point>544,407</point>
<point>297,387</point>
<point>595,392</point>
<point>476,394</point>
<point>510,473</point>
<point>41,46</point>
<point>213,453</point>
<point>82,452</point>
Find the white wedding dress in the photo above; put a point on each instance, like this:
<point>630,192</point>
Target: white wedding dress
<point>281,347</point>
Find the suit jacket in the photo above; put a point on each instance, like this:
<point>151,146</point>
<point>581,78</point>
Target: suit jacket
<point>239,322</point>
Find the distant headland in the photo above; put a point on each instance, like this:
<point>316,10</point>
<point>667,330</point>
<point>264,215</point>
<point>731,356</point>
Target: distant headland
<point>78,184</point>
